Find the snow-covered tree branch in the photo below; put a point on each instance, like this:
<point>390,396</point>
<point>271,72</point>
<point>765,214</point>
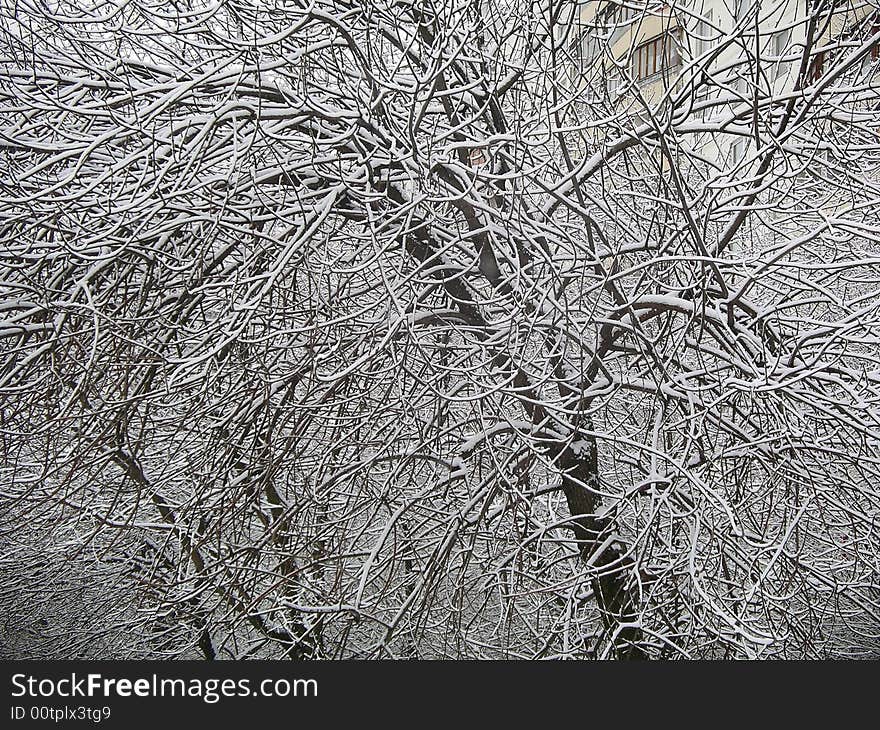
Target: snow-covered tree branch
<point>440,329</point>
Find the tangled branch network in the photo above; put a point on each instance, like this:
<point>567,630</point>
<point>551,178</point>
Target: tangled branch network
<point>395,329</point>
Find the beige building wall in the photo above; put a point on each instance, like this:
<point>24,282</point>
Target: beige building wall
<point>641,55</point>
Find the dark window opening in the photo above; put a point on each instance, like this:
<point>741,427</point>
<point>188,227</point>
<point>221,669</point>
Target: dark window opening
<point>656,55</point>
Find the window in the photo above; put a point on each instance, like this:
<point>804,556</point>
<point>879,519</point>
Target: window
<point>656,55</point>
<point>591,47</point>
<point>617,14</point>
<point>704,34</point>
<point>738,151</point>
<point>781,42</point>
<point>702,42</point>
<point>576,48</point>
<point>741,8</point>
<point>613,83</point>
<point>583,48</point>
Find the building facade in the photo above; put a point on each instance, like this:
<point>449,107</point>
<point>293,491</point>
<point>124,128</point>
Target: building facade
<point>699,59</point>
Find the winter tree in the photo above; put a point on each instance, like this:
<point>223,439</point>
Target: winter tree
<point>448,329</point>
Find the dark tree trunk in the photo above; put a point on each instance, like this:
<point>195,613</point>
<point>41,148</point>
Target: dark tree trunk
<point>580,482</point>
